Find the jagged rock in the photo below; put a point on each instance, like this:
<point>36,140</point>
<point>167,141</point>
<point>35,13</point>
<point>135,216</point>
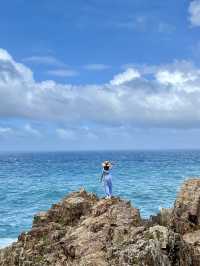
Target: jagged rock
<point>162,218</point>
<point>194,240</point>
<point>186,213</point>
<point>83,230</point>
<point>154,246</point>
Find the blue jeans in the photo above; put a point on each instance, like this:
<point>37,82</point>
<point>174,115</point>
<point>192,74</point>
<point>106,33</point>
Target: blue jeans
<point>108,185</point>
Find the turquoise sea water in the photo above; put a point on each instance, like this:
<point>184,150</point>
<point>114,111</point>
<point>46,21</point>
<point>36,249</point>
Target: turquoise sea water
<point>31,182</point>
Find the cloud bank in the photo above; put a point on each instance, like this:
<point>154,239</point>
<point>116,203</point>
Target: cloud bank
<point>169,98</point>
<point>194,12</point>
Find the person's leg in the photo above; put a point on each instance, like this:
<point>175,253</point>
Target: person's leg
<point>110,188</point>
<point>106,188</point>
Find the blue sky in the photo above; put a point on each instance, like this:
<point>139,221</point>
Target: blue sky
<point>107,74</point>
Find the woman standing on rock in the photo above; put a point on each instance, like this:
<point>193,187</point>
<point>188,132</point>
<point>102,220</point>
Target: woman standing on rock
<point>107,179</point>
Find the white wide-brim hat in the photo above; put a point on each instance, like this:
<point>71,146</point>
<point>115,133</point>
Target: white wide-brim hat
<point>107,163</point>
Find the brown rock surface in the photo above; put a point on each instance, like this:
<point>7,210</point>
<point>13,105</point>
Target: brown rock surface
<point>186,212</point>
<point>84,230</point>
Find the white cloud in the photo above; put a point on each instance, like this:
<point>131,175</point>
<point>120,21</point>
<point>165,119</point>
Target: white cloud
<point>5,131</point>
<point>88,133</point>
<point>62,72</point>
<point>96,67</point>
<point>194,12</point>
<point>170,98</point>
<point>175,77</point>
<point>66,133</point>
<point>76,133</point>
<point>45,60</point>
<point>129,75</point>
<point>134,23</point>
<point>144,23</point>
<point>4,55</point>
<point>143,69</point>
<point>32,131</point>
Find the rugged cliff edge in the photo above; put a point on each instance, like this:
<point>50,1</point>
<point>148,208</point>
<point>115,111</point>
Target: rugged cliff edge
<point>84,230</point>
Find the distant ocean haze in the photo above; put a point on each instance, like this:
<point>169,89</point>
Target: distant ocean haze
<point>31,182</point>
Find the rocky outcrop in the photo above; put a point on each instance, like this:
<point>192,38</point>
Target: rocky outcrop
<point>186,212</point>
<point>85,230</point>
<point>185,217</point>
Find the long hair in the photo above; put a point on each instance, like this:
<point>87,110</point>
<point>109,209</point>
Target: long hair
<point>106,167</point>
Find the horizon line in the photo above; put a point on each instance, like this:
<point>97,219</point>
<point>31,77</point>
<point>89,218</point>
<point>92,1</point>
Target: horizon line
<point>100,150</point>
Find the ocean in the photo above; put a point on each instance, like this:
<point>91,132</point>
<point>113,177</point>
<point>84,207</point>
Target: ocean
<point>32,182</point>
